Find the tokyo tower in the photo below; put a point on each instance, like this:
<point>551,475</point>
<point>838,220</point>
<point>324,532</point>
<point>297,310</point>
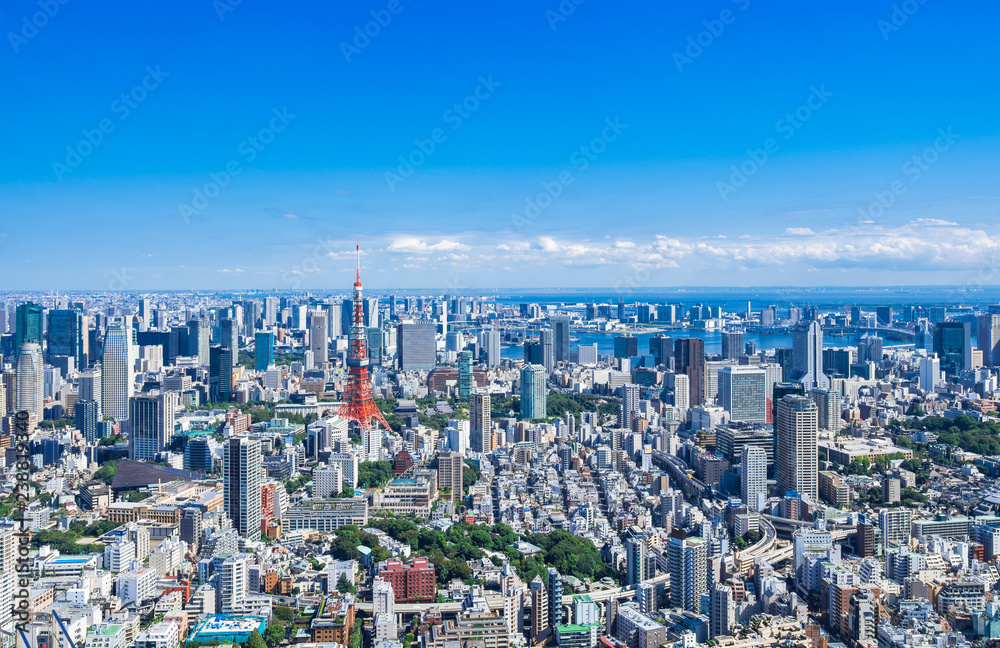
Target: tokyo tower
<point>358,404</point>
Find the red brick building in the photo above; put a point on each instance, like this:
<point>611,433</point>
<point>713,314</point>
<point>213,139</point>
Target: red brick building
<point>413,583</point>
<point>401,462</point>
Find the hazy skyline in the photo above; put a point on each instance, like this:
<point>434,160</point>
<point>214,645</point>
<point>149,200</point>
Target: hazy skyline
<point>628,120</point>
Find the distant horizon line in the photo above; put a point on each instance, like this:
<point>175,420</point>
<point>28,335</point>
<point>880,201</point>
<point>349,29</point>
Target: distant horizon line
<point>525,289</point>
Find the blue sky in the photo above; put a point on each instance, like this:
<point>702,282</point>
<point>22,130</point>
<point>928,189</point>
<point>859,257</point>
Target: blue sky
<point>599,144</point>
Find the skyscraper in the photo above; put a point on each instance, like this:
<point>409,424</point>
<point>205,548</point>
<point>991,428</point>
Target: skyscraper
<point>753,476</point>
<point>416,346</point>
<point>682,393</point>
<point>480,424</point>
<point>220,374</point>
<point>117,372</point>
<point>546,351</point>
<point>554,585</point>
<point>807,356</point>
<point>28,323</point>
<point>491,345</point>
<point>626,346</point>
<point>629,405</point>
<point>540,630</point>
<point>988,338</point>
<point>827,409</point>
<point>66,336</point>
<point>449,475</point>
<point>87,413</point>
<point>150,424</point>
<point>732,344</point>
<point>930,373</point>
<point>953,345</point>
<point>870,348</point>
<point>560,337</point>
<point>661,348</point>
<point>465,379</point>
<point>318,331</point>
<point>229,332</point>
<point>895,526</point>
<point>198,340</point>
<point>688,558</point>
<point>270,314</point>
<point>533,392</point>
<point>798,434</point>
<point>30,377</point>
<point>635,559</point>
<point>742,392</point>
<point>263,350</point>
<point>234,581</point>
<point>242,481</point>
<point>689,359</point>
<point>723,612</point>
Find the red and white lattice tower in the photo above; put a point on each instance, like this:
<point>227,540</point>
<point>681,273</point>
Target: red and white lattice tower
<point>358,405</point>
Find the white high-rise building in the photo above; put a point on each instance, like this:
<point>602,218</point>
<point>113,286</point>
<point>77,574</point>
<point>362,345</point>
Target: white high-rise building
<point>30,380</point>
<point>348,463</point>
<point>742,393</point>
<point>383,598</point>
<point>491,345</point>
<point>807,356</point>
<point>930,373</point>
<point>384,610</point>
<point>371,444</point>
<point>242,476</point>
<point>89,387</point>
<point>629,405</point>
<point>327,480</point>
<point>798,452</point>
<point>753,476</point>
<point>458,436</point>
<point>682,394</point>
<point>117,372</point>
<point>895,526</point>
<point>234,581</point>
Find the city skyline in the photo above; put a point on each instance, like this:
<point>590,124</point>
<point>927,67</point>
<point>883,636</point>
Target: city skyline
<point>609,149</point>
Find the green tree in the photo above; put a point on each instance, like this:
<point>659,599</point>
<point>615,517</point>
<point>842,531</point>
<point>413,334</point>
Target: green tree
<point>274,634</point>
<point>470,475</point>
<point>344,585</point>
<point>255,640</point>
<point>106,473</point>
<point>344,548</point>
<point>284,613</point>
<point>374,474</point>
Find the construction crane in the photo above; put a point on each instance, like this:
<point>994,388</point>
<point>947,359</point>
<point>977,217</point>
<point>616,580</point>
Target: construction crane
<point>52,635</point>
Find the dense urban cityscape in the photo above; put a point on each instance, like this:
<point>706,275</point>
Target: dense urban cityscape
<point>450,470</point>
<point>557,324</point>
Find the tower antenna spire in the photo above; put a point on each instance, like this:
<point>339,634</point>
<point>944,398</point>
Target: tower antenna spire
<point>358,404</point>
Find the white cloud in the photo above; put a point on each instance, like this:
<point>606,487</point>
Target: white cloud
<point>414,245</point>
<point>932,222</point>
<point>291,216</point>
<point>799,231</point>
